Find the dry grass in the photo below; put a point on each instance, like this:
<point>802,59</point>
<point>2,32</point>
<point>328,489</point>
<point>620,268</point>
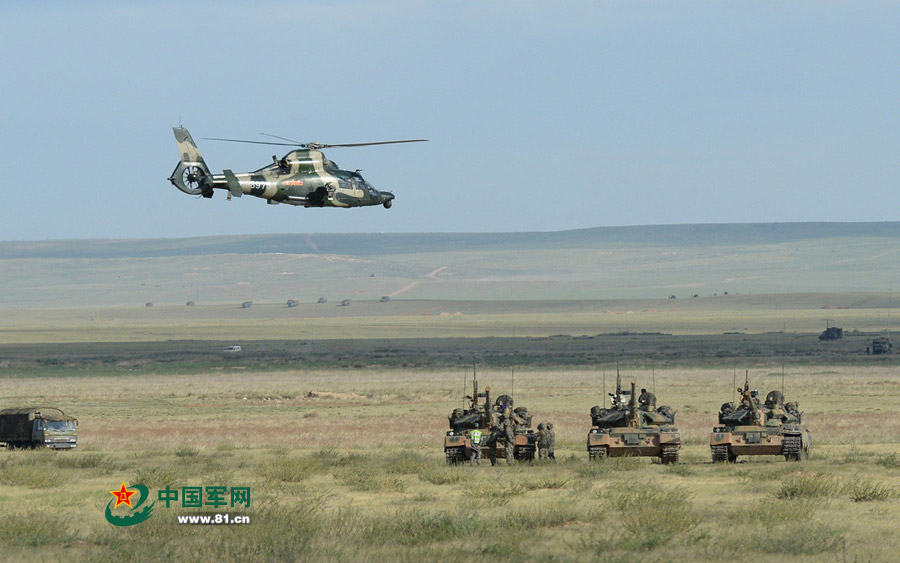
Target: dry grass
<point>358,470</point>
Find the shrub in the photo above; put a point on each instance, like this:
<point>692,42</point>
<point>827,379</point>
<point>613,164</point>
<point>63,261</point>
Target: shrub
<point>810,485</point>
<point>444,475</point>
<point>890,461</point>
<point>653,516</point>
<point>861,491</point>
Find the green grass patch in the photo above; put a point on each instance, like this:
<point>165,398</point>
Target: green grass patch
<point>32,475</point>
<point>867,491</point>
<point>654,516</point>
<point>34,530</point>
<point>805,486</point>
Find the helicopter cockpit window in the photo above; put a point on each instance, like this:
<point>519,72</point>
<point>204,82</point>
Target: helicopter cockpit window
<point>329,164</point>
<point>359,182</point>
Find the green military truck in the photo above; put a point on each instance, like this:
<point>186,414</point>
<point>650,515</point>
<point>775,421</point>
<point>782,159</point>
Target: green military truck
<point>35,427</point>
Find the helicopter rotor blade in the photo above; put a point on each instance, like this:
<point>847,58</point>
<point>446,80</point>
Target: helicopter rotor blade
<point>252,142</point>
<point>313,145</point>
<point>298,143</point>
<point>375,143</point>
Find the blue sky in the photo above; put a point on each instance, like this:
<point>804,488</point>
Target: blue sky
<point>542,116</point>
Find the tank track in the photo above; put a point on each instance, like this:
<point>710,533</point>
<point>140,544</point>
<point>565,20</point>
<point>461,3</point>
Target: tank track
<point>669,454</point>
<point>454,455</point>
<point>597,453</point>
<point>720,454</point>
<point>523,453</point>
<point>791,447</point>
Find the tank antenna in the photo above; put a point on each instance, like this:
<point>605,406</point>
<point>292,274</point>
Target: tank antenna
<point>653,374</point>
<point>512,384</point>
<point>465,378</point>
<point>782,377</point>
<point>733,383</point>
<point>618,384</point>
<point>603,397</point>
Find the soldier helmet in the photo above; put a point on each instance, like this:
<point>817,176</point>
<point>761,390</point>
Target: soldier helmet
<point>549,425</point>
<point>541,426</point>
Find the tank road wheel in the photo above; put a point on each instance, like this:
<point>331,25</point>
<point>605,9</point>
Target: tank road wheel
<point>792,448</point>
<point>721,454</point>
<point>597,453</point>
<point>669,454</point>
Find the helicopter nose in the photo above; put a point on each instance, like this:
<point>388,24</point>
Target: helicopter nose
<point>386,198</point>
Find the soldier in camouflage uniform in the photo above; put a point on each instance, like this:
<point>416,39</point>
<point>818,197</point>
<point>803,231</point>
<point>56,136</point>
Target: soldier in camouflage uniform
<point>549,440</point>
<point>509,431</point>
<point>492,442</point>
<point>647,400</point>
<point>540,442</point>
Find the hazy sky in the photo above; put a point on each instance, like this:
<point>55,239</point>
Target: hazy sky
<point>542,115</point>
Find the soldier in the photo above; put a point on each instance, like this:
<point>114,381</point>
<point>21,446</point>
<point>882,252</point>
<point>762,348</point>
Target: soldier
<point>793,408</point>
<point>510,433</point>
<point>540,442</point>
<point>492,442</point>
<point>549,440</point>
<point>475,454</point>
<point>647,400</point>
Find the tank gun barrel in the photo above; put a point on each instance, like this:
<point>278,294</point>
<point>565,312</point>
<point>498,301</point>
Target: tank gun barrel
<point>618,386</point>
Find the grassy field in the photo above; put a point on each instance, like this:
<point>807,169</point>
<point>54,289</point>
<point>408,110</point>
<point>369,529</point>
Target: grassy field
<point>406,318</point>
<point>347,464</point>
<point>334,416</point>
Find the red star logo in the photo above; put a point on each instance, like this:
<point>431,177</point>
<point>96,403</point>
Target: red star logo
<point>123,496</point>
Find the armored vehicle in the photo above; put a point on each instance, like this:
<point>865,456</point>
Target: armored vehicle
<point>751,428</point>
<point>633,426</point>
<point>505,429</point>
<point>35,427</point>
<point>881,345</point>
<point>832,333</point>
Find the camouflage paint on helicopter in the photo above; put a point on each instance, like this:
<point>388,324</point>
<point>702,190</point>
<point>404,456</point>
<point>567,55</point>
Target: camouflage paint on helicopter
<point>302,177</point>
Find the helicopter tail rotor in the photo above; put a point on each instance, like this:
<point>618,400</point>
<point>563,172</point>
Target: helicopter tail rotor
<point>191,176</point>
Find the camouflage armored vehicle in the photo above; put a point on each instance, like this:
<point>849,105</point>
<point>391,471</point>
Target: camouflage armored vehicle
<point>751,428</point>
<point>36,427</point>
<point>881,345</point>
<point>633,426</point>
<point>506,429</point>
<point>832,333</point>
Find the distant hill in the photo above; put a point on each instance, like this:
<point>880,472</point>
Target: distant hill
<point>603,263</point>
<point>382,244</point>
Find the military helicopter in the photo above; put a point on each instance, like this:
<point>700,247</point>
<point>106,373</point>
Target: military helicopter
<point>301,177</point>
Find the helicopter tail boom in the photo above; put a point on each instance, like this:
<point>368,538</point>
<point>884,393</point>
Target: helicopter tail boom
<point>191,176</point>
